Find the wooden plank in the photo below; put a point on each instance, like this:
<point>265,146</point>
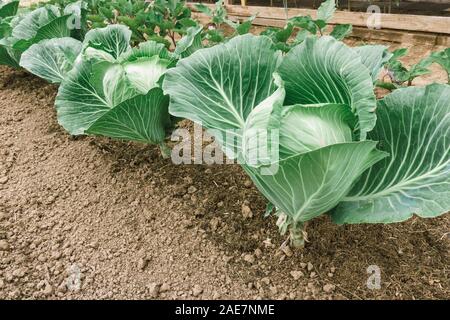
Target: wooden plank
<point>430,24</point>
<point>397,36</point>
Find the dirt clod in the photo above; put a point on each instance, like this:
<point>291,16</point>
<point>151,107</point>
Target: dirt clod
<point>197,290</point>
<point>4,246</point>
<point>249,258</point>
<point>246,211</point>
<point>297,274</point>
<point>329,288</point>
<point>154,289</point>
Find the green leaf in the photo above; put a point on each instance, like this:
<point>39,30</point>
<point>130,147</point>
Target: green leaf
<point>77,23</point>
<point>386,85</point>
<point>258,146</point>
<point>326,10</point>
<point>399,73</point>
<point>160,40</point>
<point>241,28</point>
<point>215,35</point>
<point>143,118</point>
<point>51,59</point>
<point>304,22</point>
<point>245,26</point>
<point>269,209</point>
<point>301,36</point>
<point>398,53</point>
<point>114,39</point>
<point>6,59</point>
<point>203,9</point>
<point>307,185</point>
<point>340,31</point>
<point>413,127</point>
<point>374,57</point>
<point>9,9</point>
<point>5,29</point>
<point>107,13</point>
<point>29,25</point>
<point>96,18</point>
<point>90,90</point>
<point>146,50</point>
<point>324,70</point>
<point>219,14</point>
<point>443,59</point>
<point>188,22</point>
<point>284,34</point>
<point>219,87</point>
<point>190,43</point>
<point>57,28</point>
<point>306,128</point>
<point>144,73</point>
<point>8,54</point>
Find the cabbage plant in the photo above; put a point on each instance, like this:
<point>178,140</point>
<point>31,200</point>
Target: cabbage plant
<point>8,10</point>
<point>23,30</point>
<point>112,90</point>
<point>338,149</point>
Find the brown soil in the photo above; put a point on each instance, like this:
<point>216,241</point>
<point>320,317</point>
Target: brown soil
<point>139,227</point>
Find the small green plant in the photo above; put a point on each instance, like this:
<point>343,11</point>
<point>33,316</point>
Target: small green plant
<point>160,20</point>
<point>304,26</point>
<point>399,75</point>
<point>219,17</point>
<point>443,59</point>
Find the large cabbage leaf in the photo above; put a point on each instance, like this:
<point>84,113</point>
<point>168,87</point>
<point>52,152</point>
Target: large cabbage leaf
<point>29,25</point>
<point>374,57</point>
<point>319,162</point>
<point>325,70</point>
<point>51,59</point>
<point>219,87</point>
<point>259,146</point>
<point>307,185</point>
<point>306,128</point>
<point>144,118</point>
<point>5,55</point>
<point>114,40</point>
<point>413,127</point>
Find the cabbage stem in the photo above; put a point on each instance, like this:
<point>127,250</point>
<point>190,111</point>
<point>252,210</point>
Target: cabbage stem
<point>297,234</point>
<point>165,150</point>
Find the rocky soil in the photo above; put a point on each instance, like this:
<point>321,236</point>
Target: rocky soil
<point>92,218</point>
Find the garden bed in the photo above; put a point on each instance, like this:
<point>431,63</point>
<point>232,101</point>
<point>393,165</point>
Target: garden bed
<point>138,226</point>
